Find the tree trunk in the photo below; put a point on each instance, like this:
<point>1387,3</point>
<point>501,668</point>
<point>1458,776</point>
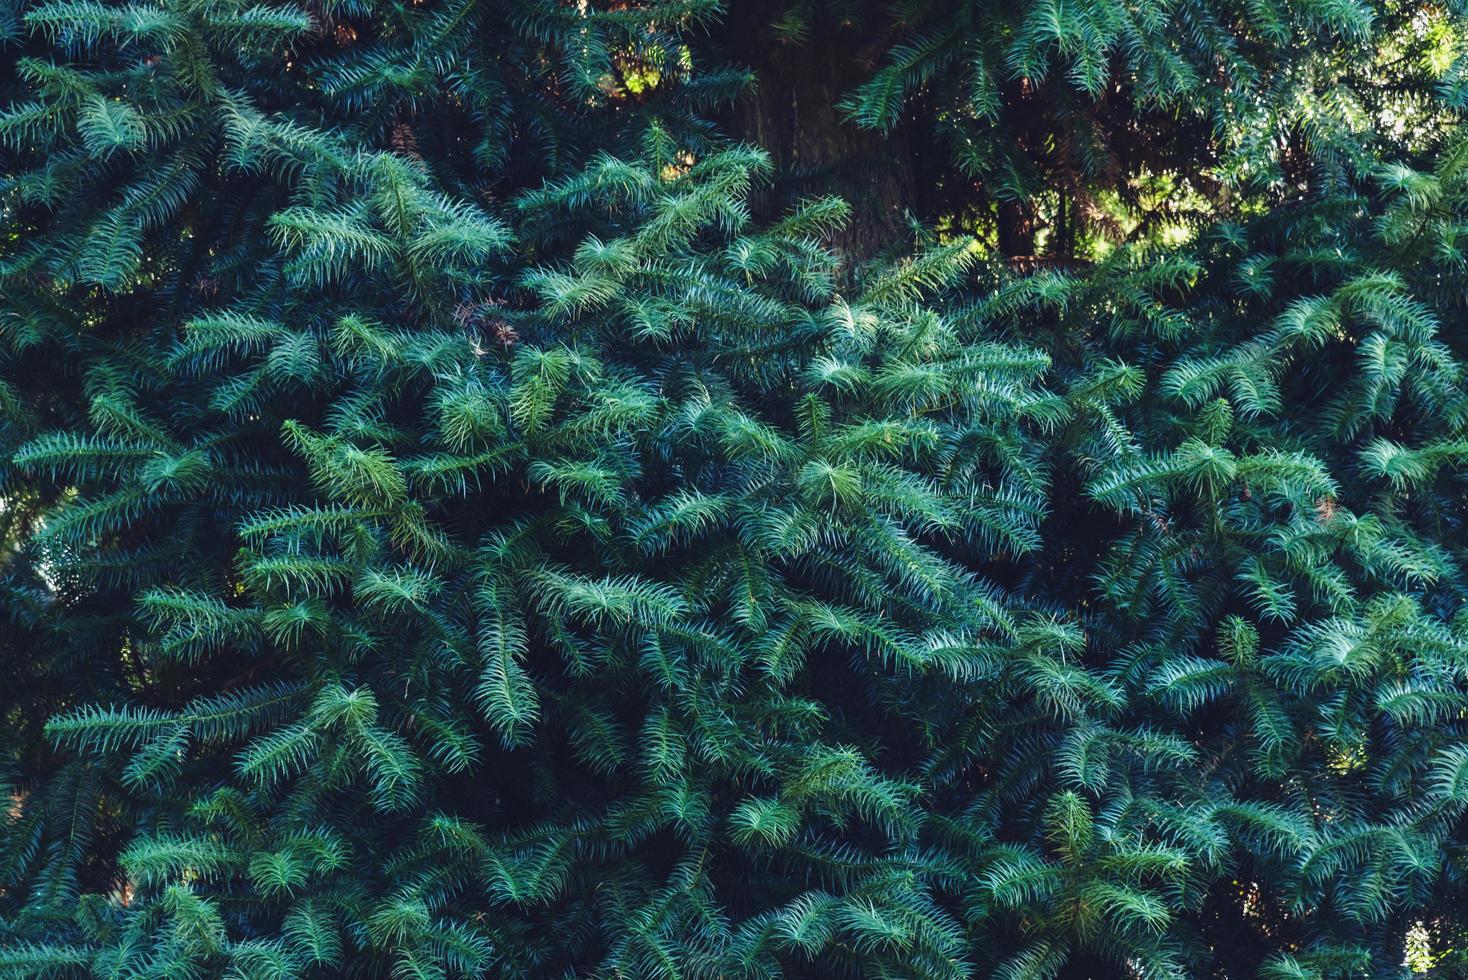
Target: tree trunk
<point>1016,229</point>
<point>791,113</point>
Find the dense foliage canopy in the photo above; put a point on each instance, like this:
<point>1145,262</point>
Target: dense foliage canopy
<point>532,488</point>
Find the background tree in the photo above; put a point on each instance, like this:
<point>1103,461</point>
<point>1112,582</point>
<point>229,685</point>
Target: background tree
<point>1056,130</point>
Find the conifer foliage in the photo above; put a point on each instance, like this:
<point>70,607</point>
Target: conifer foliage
<point>445,533</point>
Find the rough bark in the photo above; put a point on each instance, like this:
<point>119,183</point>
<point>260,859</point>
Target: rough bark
<point>792,113</point>
<point>1016,229</point>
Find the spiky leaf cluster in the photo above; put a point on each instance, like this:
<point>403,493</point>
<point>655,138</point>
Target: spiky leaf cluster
<point>444,534</point>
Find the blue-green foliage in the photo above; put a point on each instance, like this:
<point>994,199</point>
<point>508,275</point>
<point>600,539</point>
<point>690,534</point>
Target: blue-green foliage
<point>414,569</point>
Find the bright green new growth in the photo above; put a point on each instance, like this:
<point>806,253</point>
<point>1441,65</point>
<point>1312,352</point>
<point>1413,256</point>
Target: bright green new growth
<point>450,529</point>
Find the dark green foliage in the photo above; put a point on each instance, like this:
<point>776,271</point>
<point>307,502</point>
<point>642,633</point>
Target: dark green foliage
<point>444,534</point>
<point>1056,129</point>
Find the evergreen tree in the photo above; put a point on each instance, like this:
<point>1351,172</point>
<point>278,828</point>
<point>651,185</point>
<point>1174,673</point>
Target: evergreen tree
<point>1049,129</point>
<point>463,515</point>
